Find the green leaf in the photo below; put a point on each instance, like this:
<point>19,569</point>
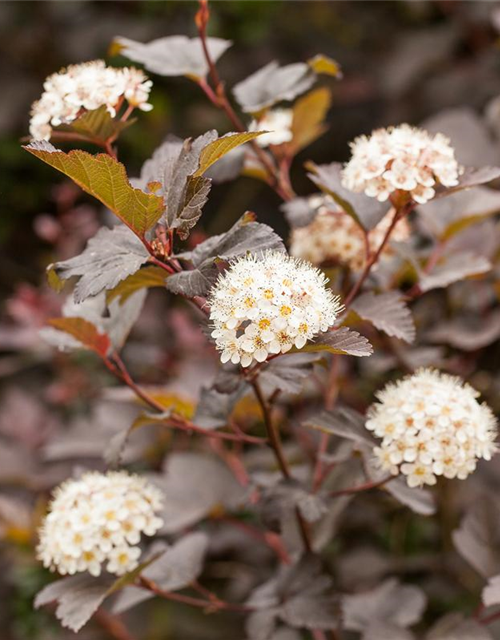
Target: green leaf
<point>321,64</point>
<point>145,278</point>
<point>218,148</point>
<point>97,124</point>
<point>104,178</point>
<point>85,332</point>
<point>55,282</point>
<point>308,115</point>
<point>341,341</point>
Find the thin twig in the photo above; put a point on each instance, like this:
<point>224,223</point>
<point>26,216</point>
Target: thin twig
<point>209,605</point>
<point>113,625</point>
<point>116,365</point>
<point>398,214</point>
<point>362,487</point>
<point>275,443</point>
<point>280,183</point>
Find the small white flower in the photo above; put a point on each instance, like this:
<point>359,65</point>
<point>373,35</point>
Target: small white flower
<point>279,124</point>
<point>431,424</point>
<point>265,305</point>
<point>85,87</point>
<point>334,237</point>
<point>99,519</point>
<point>401,158</point>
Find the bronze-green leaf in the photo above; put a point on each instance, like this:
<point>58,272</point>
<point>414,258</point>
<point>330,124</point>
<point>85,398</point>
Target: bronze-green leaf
<point>218,148</point>
<point>104,178</point>
<point>85,332</point>
<point>145,278</point>
<point>325,65</point>
<point>308,117</point>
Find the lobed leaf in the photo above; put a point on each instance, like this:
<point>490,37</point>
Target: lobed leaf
<point>97,124</point>
<point>387,312</point>
<point>114,319</point>
<point>196,485</point>
<point>367,212</point>
<point>342,422</point>
<point>287,373</point>
<point>342,341</point>
<point>309,113</point>
<point>111,256</point>
<point>215,407</point>
<point>272,84</point>
<point>104,178</point>
<point>218,148</point>
<point>390,602</point>
<point>477,539</point>
<point>175,568</point>
<point>172,55</point>
<point>454,268</point>
<point>246,235</point>
<point>145,278</point>
<point>195,198</point>
<point>78,597</point>
<point>85,333</point>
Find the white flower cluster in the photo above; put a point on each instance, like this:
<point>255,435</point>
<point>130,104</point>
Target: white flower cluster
<point>84,87</point>
<point>97,519</point>
<point>333,236</point>
<point>401,158</point>
<point>432,425</point>
<point>279,124</point>
<point>264,306</point>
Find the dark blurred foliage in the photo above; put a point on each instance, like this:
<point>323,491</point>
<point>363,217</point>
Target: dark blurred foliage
<point>402,61</point>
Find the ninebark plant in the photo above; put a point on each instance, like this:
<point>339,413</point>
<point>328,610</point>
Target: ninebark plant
<point>279,449</point>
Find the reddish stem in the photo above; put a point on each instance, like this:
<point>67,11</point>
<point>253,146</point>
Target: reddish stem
<point>118,368</point>
<point>280,183</point>
<point>362,487</point>
<point>215,605</point>
<point>398,214</point>
<point>113,625</point>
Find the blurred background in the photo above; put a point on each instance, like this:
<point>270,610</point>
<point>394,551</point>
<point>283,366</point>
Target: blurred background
<point>402,62</point>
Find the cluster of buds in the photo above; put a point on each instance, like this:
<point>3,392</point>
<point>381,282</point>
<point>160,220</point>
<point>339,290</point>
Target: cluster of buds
<point>333,237</point>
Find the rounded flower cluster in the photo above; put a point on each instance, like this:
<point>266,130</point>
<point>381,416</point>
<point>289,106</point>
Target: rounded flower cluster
<point>98,519</point>
<point>84,87</point>
<point>401,158</point>
<point>333,236</point>
<point>263,306</point>
<point>431,424</point>
<point>279,124</point>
